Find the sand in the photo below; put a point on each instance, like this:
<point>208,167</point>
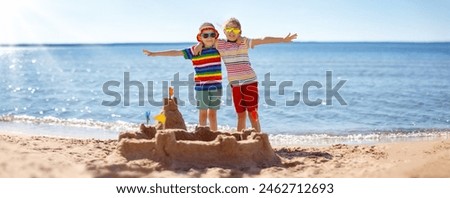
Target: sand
<point>37,156</point>
<point>168,150</point>
<point>250,154</point>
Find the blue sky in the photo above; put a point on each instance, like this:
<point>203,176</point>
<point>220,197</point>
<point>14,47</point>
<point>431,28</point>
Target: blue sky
<point>112,21</point>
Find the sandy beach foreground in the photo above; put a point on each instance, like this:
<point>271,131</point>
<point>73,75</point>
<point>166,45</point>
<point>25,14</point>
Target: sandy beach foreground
<point>38,156</point>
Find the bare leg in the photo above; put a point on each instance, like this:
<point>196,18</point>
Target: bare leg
<point>202,115</point>
<point>242,118</point>
<point>212,116</point>
<point>255,122</point>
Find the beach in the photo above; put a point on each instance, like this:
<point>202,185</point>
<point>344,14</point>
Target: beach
<point>26,156</point>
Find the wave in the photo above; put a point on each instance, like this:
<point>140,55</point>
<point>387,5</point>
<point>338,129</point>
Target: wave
<point>72,122</point>
<point>375,137</point>
<point>95,128</point>
<point>117,126</point>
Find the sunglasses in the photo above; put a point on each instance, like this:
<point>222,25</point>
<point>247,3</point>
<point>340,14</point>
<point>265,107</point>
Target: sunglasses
<point>234,30</point>
<point>207,35</point>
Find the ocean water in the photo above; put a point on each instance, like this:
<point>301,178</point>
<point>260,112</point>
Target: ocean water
<point>383,91</point>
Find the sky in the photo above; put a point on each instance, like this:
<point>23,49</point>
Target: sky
<point>121,21</point>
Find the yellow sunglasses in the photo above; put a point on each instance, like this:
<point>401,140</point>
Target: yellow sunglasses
<point>234,30</point>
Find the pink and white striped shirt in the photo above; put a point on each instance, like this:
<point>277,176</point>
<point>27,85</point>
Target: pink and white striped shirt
<point>237,62</point>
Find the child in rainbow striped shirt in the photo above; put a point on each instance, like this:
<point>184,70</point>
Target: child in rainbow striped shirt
<point>208,73</point>
<point>241,76</point>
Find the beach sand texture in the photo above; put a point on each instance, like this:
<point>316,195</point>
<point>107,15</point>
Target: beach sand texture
<point>34,156</point>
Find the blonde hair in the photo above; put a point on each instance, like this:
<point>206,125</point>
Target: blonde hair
<point>233,21</point>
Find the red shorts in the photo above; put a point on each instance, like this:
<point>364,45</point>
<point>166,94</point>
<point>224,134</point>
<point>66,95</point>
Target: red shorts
<point>245,97</point>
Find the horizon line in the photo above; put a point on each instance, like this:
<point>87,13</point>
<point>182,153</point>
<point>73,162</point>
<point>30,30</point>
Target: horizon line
<point>187,42</point>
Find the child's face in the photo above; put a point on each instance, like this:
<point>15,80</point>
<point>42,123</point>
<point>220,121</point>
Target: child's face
<point>208,37</point>
<point>232,31</point>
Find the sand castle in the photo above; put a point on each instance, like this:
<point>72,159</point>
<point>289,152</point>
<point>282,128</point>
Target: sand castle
<point>172,145</point>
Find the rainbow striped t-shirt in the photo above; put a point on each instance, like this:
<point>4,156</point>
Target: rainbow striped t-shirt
<point>237,62</point>
<point>208,68</point>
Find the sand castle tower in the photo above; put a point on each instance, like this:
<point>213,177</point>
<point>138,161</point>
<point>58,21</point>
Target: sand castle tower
<point>173,117</point>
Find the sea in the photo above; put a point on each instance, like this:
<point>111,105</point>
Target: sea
<point>311,93</point>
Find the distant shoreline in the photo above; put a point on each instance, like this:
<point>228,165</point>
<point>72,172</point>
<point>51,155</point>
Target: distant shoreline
<point>177,43</point>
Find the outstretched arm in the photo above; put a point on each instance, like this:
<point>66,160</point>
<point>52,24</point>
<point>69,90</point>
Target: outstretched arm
<point>163,53</point>
<point>267,40</point>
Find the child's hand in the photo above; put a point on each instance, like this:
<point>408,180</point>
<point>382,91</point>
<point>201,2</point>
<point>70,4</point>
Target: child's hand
<point>290,37</point>
<point>198,49</point>
<point>148,53</point>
